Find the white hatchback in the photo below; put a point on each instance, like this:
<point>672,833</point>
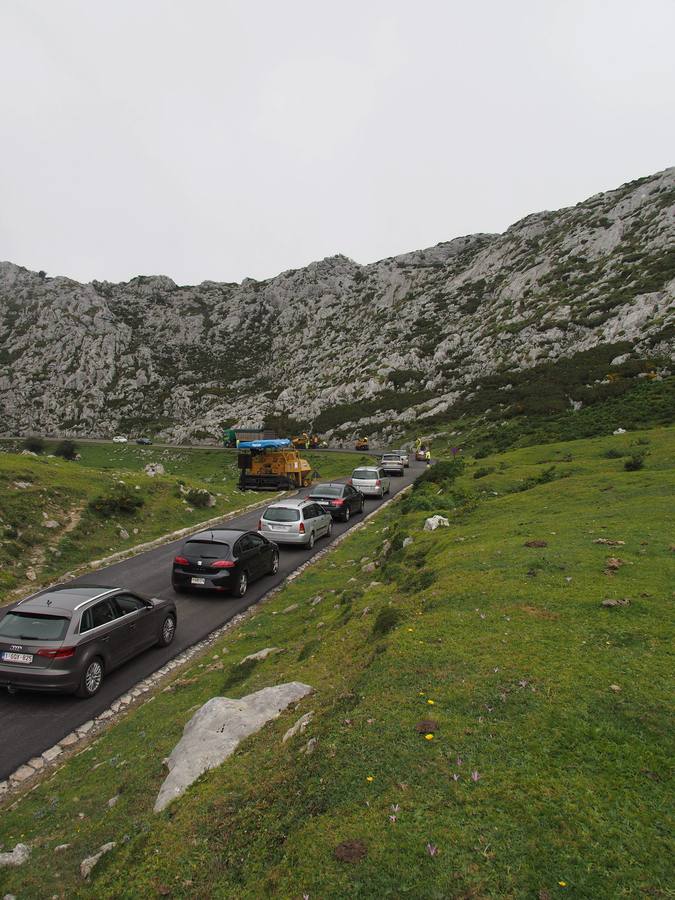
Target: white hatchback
<point>119,439</point>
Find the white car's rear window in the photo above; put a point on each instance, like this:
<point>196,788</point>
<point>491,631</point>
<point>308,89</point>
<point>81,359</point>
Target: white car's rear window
<point>365,474</point>
<point>281,514</point>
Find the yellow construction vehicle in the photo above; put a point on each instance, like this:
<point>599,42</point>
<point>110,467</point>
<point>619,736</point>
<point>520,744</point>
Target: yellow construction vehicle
<point>301,442</point>
<point>271,465</point>
<point>361,444</point>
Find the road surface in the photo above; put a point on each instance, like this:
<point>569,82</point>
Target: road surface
<point>30,723</point>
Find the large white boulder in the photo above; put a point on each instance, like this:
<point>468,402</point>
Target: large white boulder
<point>434,522</point>
<point>216,730</point>
<point>15,857</point>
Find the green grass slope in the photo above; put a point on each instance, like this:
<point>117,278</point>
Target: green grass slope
<point>36,492</point>
<point>485,727</point>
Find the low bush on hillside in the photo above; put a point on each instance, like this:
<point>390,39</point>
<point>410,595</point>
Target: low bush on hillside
<point>120,500</point>
<point>200,498</point>
<point>34,444</point>
<point>387,619</point>
<point>66,450</point>
<point>635,462</point>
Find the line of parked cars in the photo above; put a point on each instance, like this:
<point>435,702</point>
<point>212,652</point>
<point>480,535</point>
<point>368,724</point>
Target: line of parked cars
<point>68,638</point>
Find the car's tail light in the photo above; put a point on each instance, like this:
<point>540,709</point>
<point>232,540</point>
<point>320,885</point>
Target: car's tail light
<point>181,561</point>
<point>378,483</point>
<point>338,501</point>
<point>259,524</point>
<point>61,653</point>
<point>301,529</point>
<point>222,564</point>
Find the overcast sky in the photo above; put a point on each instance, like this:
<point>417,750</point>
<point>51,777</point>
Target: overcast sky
<point>206,139</point>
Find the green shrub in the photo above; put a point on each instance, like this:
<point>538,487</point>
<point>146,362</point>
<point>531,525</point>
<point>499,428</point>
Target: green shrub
<point>443,473</point>
<point>635,462</point>
<point>387,619</point>
<point>307,649</point>
<point>34,444</point>
<point>239,672</point>
<point>66,450</point>
<point>119,501</point>
<point>613,453</point>
<point>482,472</point>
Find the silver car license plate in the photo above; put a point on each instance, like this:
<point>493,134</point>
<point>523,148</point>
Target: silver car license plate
<point>198,580</point>
<point>25,658</point>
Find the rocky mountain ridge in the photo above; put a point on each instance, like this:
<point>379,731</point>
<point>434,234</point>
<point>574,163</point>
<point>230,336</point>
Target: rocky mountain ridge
<point>339,346</point>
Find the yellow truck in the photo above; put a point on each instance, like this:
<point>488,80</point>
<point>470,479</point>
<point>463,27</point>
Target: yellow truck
<point>271,465</point>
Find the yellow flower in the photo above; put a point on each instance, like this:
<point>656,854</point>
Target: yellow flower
<point>370,778</point>
<point>429,737</point>
<point>410,629</point>
<point>421,693</point>
<point>430,702</point>
<point>562,883</point>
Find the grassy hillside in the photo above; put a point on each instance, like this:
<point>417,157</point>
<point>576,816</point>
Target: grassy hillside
<point>47,526</point>
<point>485,727</point>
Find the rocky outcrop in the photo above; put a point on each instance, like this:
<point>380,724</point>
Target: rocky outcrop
<point>215,731</point>
<point>336,344</point>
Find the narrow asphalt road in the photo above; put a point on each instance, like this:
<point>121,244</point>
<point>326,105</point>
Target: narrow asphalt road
<point>32,722</point>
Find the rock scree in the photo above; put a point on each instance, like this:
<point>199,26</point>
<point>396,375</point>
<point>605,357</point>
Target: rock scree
<point>215,731</point>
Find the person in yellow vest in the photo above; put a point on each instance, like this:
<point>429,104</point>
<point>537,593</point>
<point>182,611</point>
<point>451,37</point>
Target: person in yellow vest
<point>427,456</point>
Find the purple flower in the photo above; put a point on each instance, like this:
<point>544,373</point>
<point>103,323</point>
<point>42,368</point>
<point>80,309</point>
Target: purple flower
<point>474,775</point>
<point>459,761</point>
<point>392,819</point>
<point>432,849</point>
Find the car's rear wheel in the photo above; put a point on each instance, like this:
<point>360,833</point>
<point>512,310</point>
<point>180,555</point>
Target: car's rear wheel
<point>310,542</point>
<point>275,563</point>
<point>242,583</point>
<point>168,631</point>
<point>329,530</point>
<point>348,514</point>
<point>92,678</point>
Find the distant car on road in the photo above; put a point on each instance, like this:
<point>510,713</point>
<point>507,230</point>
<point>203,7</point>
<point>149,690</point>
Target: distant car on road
<point>119,439</point>
<point>405,457</point>
<point>69,638</point>
<point>295,522</point>
<point>392,464</point>
<point>340,500</point>
<point>144,441</point>
<point>370,481</point>
<point>224,560</point>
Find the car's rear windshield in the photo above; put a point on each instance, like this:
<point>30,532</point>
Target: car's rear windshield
<point>391,456</point>
<point>327,490</point>
<point>367,474</point>
<point>207,549</point>
<point>31,627</point>
<point>281,514</point>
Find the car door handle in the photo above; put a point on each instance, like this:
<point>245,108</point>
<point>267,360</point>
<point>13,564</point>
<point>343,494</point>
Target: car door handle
<point>106,639</point>
<point>133,626</point>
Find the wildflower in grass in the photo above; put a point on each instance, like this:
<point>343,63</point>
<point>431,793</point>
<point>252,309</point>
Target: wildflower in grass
<point>392,819</point>
<point>428,737</point>
<point>432,849</point>
<point>562,883</point>
<point>459,761</point>
<point>482,615</point>
<point>370,778</point>
<point>455,776</point>
<point>523,682</point>
<point>395,807</point>
<point>431,702</point>
<point>474,775</point>
<point>410,629</point>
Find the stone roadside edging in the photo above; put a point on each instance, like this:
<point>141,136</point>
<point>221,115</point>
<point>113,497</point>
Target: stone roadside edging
<point>137,549</point>
<point>29,774</point>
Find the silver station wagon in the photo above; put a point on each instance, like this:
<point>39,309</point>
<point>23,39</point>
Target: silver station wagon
<point>295,522</point>
<point>371,481</point>
<point>66,639</point>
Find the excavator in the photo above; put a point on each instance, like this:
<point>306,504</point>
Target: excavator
<point>361,444</point>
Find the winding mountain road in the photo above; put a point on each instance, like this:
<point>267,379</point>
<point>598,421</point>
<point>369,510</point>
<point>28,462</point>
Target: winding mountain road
<point>30,723</point>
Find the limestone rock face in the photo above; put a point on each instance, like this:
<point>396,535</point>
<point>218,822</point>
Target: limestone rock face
<point>341,345</point>
<point>215,731</point>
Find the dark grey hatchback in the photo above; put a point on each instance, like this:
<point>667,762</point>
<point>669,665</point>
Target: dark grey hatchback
<point>66,639</point>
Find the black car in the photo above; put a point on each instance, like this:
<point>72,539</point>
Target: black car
<point>68,638</point>
<point>224,560</point>
<point>144,441</point>
<point>341,500</point>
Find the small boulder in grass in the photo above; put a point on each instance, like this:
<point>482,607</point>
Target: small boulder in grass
<point>611,602</point>
<point>536,543</point>
<point>350,851</point>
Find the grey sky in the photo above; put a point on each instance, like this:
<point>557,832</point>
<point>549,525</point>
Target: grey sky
<point>215,140</point>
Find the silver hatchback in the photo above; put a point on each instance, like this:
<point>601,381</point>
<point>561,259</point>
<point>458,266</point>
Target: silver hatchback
<point>295,522</point>
<point>371,481</point>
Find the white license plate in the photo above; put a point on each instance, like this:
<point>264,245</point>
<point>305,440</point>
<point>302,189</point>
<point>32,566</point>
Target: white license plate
<point>18,657</point>
<point>280,527</point>
<point>198,580</point>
